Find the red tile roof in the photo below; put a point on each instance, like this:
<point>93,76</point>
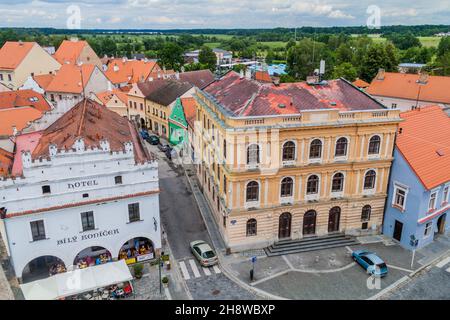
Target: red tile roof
<point>406,86</point>
<point>24,142</point>
<point>263,76</point>
<point>68,79</point>
<point>44,80</point>
<point>23,98</point>
<point>6,161</point>
<point>361,83</point>
<point>243,97</point>
<point>106,96</point>
<point>13,53</point>
<point>190,110</point>
<point>199,78</point>
<point>424,142</point>
<point>18,117</point>
<point>129,71</point>
<point>92,122</point>
<point>69,51</point>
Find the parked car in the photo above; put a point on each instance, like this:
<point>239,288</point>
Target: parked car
<point>204,254</point>
<point>371,262</point>
<point>153,140</point>
<point>164,148</point>
<point>144,134</point>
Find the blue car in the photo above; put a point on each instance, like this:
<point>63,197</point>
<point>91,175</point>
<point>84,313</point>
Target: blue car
<point>144,134</point>
<point>372,263</point>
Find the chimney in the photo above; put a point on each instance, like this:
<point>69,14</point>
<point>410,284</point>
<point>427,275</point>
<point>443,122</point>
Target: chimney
<point>15,131</point>
<point>20,43</point>
<point>177,75</point>
<point>116,68</point>
<point>381,74</point>
<point>423,78</point>
<point>124,59</point>
<point>241,74</point>
<point>248,74</point>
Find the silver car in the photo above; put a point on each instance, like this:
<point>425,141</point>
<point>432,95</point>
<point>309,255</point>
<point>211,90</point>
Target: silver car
<point>204,254</point>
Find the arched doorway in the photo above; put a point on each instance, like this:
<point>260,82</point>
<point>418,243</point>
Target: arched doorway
<point>333,219</point>
<point>42,267</point>
<point>137,250</point>
<point>309,223</point>
<point>441,224</point>
<point>284,226</point>
<point>143,126</point>
<point>92,256</point>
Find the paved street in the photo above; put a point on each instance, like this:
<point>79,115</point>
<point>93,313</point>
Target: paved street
<point>183,223</point>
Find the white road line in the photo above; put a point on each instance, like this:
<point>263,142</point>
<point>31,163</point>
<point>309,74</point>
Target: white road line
<point>399,268</point>
<point>194,268</point>
<point>206,271</point>
<point>443,262</point>
<point>448,270</point>
<point>216,269</point>
<point>288,262</point>
<point>349,249</point>
<point>184,271</point>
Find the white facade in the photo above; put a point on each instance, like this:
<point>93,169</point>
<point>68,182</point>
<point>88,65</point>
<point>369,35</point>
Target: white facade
<point>406,104</point>
<point>80,180</point>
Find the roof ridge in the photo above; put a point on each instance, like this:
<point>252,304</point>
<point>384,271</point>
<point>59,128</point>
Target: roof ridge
<point>82,117</point>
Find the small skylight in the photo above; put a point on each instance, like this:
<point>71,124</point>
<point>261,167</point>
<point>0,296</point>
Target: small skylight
<point>440,153</point>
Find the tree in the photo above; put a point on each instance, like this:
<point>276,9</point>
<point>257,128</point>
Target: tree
<point>378,56</point>
<point>345,70</point>
<point>344,53</point>
<point>444,47</point>
<point>208,58</point>
<point>404,41</point>
<point>270,57</point>
<point>305,57</point>
<point>171,56</point>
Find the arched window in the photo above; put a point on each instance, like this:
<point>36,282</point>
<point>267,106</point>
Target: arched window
<point>253,154</point>
<point>341,147</point>
<point>315,150</point>
<point>287,186</point>
<point>252,191</point>
<point>365,213</point>
<point>338,182</point>
<point>312,186</point>
<point>289,151</point>
<point>369,179</point>
<point>374,145</point>
<point>251,227</point>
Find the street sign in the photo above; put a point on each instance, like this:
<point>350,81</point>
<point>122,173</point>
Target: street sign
<point>253,259</point>
<point>414,243</point>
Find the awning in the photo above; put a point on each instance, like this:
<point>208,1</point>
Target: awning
<point>77,281</point>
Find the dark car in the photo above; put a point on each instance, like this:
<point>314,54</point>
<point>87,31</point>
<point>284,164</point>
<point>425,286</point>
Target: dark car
<point>144,134</point>
<point>153,140</point>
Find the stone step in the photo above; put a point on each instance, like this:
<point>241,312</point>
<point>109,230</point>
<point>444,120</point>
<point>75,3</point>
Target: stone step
<point>312,239</point>
<point>271,252</point>
<point>274,248</point>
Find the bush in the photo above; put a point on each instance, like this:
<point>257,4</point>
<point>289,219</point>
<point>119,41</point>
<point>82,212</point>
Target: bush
<point>138,268</point>
<point>165,280</point>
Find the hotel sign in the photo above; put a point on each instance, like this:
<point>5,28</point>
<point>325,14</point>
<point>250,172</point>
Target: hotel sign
<point>89,236</point>
<point>81,184</point>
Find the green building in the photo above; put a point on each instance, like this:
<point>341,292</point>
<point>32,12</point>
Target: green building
<point>178,125</point>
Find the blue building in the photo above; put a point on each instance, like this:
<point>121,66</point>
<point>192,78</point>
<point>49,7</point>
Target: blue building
<point>417,205</point>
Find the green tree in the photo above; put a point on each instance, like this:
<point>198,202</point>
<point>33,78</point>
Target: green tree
<point>208,58</point>
<point>444,47</point>
<point>404,41</point>
<point>305,57</point>
<point>171,56</point>
<point>345,70</point>
<point>378,56</point>
<point>344,53</point>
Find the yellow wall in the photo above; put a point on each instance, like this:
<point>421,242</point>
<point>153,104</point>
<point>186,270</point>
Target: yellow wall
<point>158,114</point>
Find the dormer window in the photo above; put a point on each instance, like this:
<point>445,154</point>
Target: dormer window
<point>46,190</point>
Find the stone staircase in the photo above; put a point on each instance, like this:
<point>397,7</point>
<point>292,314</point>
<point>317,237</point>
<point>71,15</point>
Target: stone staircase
<point>315,243</point>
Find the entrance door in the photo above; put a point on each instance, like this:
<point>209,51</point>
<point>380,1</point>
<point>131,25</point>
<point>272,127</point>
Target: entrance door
<point>441,224</point>
<point>284,226</point>
<point>333,220</point>
<point>398,230</point>
<point>309,223</point>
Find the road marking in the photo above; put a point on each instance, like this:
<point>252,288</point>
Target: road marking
<point>216,269</point>
<point>349,249</point>
<point>206,271</point>
<point>168,295</point>
<point>288,262</point>
<point>184,271</point>
<point>443,262</point>
<point>448,270</point>
<point>194,268</point>
<point>399,268</point>
<point>389,288</point>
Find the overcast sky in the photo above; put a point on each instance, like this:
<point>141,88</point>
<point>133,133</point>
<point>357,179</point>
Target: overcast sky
<point>170,14</point>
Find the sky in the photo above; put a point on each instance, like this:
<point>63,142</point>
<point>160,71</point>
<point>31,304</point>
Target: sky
<point>188,14</point>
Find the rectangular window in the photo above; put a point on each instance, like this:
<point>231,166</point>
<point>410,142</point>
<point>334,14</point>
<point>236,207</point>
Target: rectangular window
<point>133,212</point>
<point>1,77</point>
<point>87,221</point>
<point>142,107</point>
<point>394,106</point>
<point>118,180</point>
<point>445,194</point>
<point>225,149</point>
<point>432,202</point>
<point>46,190</point>
<point>428,228</point>
<point>400,197</point>
<point>9,77</point>
<point>225,184</point>
<point>38,230</point>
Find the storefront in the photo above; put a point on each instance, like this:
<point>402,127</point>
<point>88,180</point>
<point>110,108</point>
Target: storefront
<point>137,250</point>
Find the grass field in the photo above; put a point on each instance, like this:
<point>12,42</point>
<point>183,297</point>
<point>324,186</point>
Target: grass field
<point>426,41</point>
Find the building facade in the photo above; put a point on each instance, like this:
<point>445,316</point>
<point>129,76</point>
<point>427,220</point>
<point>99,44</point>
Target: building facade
<point>84,187</point>
<point>417,207</point>
<point>275,165</point>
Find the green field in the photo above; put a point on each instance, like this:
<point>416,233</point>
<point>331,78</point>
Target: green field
<point>426,41</point>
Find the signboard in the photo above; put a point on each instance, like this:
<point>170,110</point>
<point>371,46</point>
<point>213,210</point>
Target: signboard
<point>90,236</point>
<point>145,257</point>
<point>81,184</point>
<point>233,222</point>
<point>130,261</point>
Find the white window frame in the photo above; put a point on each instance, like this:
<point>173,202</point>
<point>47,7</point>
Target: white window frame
<point>289,162</point>
<point>30,232</point>
<point>316,160</point>
<point>252,204</point>
<point>373,190</point>
<point>253,165</point>
<point>428,230</point>
<point>315,196</point>
<point>432,192</point>
<point>341,158</point>
<point>404,188</point>
<point>377,155</point>
<point>445,197</point>
<point>338,194</point>
<point>289,199</point>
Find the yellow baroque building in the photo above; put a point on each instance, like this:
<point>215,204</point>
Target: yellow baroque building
<point>287,161</point>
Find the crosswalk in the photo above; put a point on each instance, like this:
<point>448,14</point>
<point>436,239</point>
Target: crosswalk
<point>443,263</point>
<point>195,272</point>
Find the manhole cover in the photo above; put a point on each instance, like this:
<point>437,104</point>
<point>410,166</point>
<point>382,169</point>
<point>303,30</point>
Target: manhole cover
<point>215,292</point>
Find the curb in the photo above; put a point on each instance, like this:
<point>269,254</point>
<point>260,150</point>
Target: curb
<point>262,294</point>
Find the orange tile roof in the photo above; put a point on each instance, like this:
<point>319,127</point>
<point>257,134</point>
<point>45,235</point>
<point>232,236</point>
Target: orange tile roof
<point>13,53</point>
<point>92,122</point>
<point>424,142</point>
<point>405,86</point>
<point>262,76</point>
<point>18,117</point>
<point>44,80</point>
<point>69,51</point>
<point>23,98</point>
<point>106,96</point>
<point>6,161</point>
<point>360,83</point>
<point>190,110</point>
<point>68,78</point>
<point>129,71</point>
